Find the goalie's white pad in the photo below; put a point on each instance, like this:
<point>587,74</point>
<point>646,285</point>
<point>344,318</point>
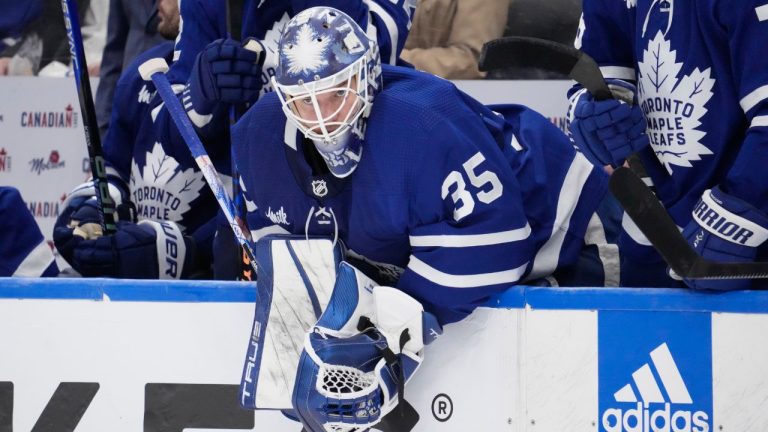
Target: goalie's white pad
<point>295,281</point>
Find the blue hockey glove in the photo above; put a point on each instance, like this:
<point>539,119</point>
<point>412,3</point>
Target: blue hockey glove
<point>608,131</point>
<point>224,72</point>
<point>725,229</point>
<point>147,250</point>
<point>82,200</point>
<point>367,344</point>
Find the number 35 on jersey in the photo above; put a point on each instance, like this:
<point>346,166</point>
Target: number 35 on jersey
<point>486,187</point>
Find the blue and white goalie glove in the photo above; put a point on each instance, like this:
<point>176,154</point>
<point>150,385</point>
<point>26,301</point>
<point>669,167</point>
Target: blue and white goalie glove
<point>367,344</point>
<point>224,72</point>
<point>607,131</point>
<point>725,229</point>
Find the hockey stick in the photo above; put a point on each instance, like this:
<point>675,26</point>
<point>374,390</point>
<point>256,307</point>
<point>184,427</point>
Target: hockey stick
<point>655,223</point>
<point>154,70</point>
<point>235,19</point>
<point>548,55</point>
<point>104,200</point>
<point>235,30</point>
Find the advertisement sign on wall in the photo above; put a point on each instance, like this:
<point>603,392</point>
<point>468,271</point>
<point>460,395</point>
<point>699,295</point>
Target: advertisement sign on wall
<point>91,355</point>
<point>655,371</point>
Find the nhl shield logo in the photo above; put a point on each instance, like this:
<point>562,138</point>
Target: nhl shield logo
<point>319,188</point>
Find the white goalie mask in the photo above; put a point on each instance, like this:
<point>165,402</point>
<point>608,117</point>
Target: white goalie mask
<point>327,76</point>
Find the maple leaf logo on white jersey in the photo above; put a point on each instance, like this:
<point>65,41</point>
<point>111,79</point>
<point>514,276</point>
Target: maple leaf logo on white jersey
<point>673,106</point>
<point>308,53</point>
<point>161,191</point>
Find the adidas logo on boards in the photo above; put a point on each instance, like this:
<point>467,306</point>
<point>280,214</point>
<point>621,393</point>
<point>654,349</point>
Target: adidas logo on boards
<point>652,412</point>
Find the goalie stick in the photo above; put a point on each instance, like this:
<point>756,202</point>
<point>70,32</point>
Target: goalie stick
<point>104,200</point>
<point>637,199</point>
<point>652,219</point>
<point>154,70</point>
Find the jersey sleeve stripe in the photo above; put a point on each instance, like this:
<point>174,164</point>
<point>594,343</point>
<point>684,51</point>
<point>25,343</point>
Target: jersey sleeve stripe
<point>618,72</point>
<point>751,100</point>
<point>36,262</point>
<point>389,22</point>
<point>289,134</point>
<point>607,252</point>
<point>570,193</point>
<point>759,121</point>
<point>263,232</point>
<point>629,227</point>
<point>461,241</point>
<point>762,12</point>
<point>465,281</point>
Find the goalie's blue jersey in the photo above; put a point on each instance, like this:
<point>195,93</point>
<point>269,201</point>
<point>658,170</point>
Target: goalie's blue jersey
<point>702,71</point>
<point>23,250</point>
<point>146,155</point>
<point>203,21</point>
<point>465,200</point>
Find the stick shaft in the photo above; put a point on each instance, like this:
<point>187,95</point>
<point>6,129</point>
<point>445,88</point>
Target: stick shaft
<point>88,114</point>
<point>190,137</point>
<point>235,30</point>
<point>519,51</point>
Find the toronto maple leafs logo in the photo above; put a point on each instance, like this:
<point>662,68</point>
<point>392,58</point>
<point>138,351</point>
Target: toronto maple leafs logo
<point>673,105</point>
<point>161,190</point>
<point>307,51</point>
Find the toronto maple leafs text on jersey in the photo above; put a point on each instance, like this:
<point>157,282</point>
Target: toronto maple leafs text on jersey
<point>144,149</point>
<point>703,86</point>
